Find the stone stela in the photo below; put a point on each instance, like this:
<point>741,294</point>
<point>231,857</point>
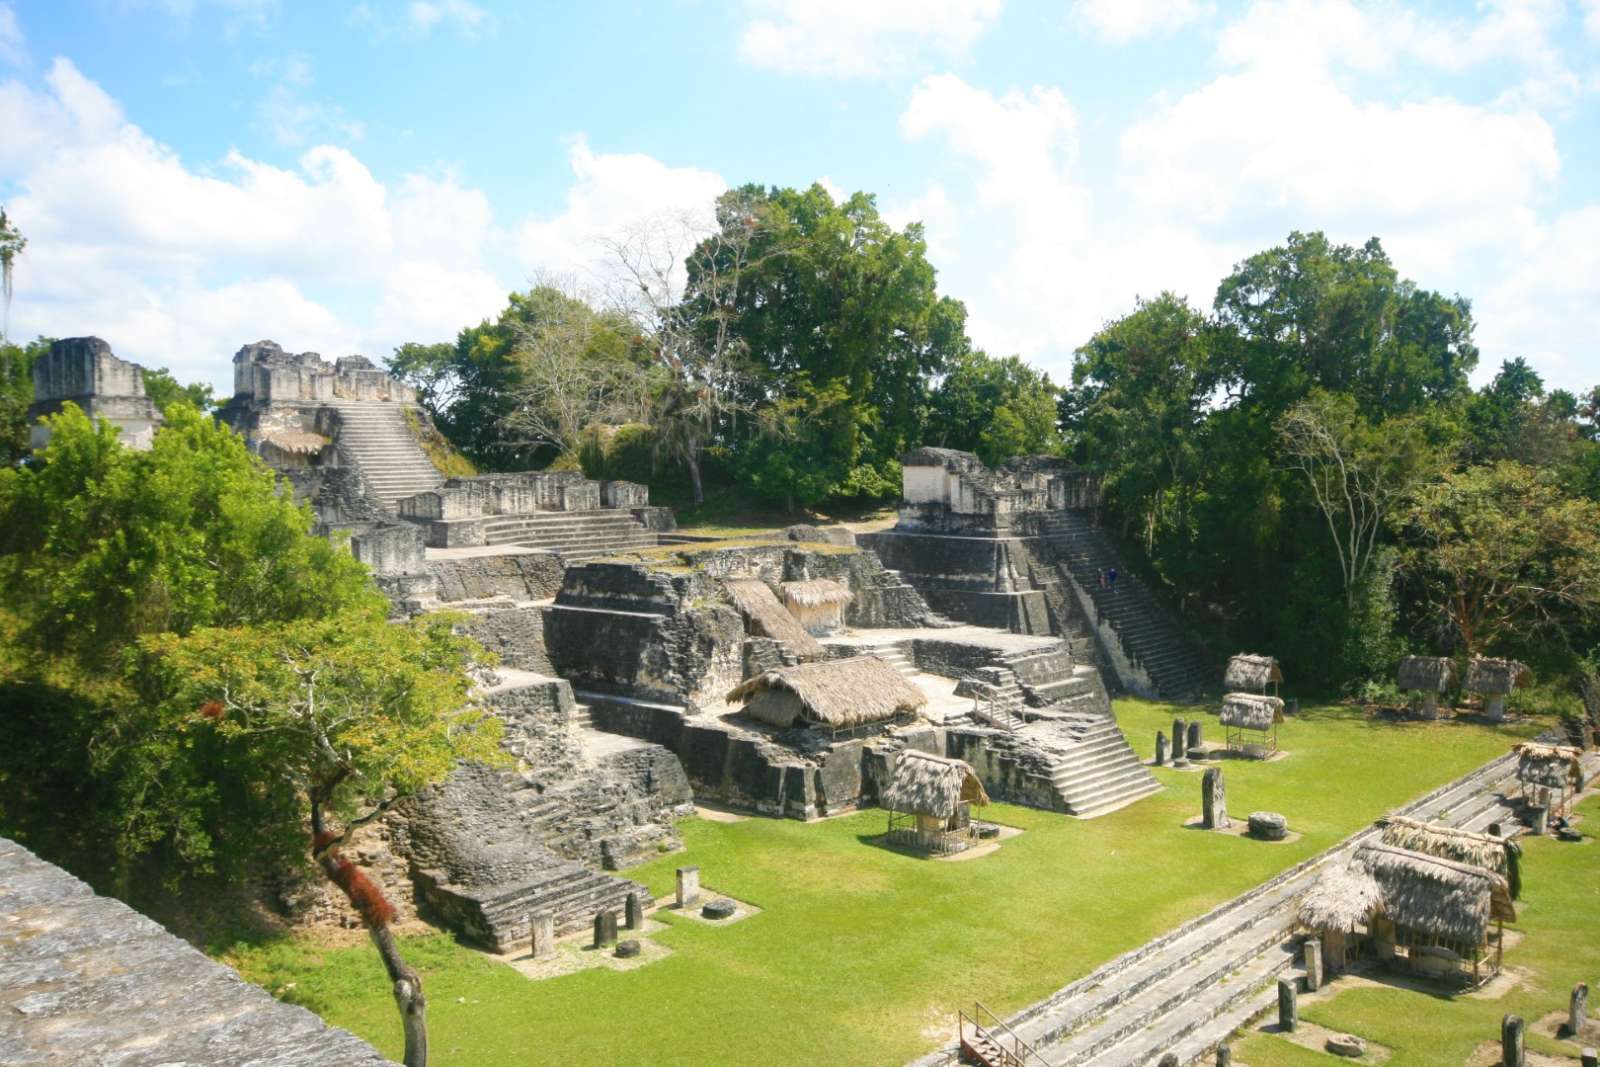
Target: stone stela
<point>688,886</point>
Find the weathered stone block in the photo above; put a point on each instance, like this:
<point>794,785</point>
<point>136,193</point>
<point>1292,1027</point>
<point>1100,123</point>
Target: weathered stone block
<point>1213,800</point>
<point>1288,1004</point>
<point>543,941</point>
<point>1313,960</point>
<point>688,886</point>
<point>1513,1041</point>
<point>605,927</point>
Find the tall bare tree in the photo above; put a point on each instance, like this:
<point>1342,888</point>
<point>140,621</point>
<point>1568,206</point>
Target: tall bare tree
<point>11,245</point>
<point>705,375</point>
<point>571,371</point>
<point>1357,473</point>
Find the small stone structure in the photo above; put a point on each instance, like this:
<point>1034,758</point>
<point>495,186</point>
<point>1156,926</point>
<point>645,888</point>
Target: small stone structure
<point>1161,749</point>
<point>85,372</point>
<point>721,908</point>
<point>633,911</point>
<point>1348,1045</point>
<point>1578,1009</point>
<point>1194,743</point>
<point>1180,730</point>
<point>1268,825</point>
<point>501,508</point>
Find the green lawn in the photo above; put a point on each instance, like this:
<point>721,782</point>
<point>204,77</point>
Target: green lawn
<point>1560,947</point>
<point>862,955</point>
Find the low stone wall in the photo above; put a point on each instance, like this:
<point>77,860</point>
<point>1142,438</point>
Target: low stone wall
<point>515,634</point>
<point>86,977</point>
<point>520,576</point>
<point>1009,773</point>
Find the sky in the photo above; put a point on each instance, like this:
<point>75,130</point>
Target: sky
<point>342,177</point>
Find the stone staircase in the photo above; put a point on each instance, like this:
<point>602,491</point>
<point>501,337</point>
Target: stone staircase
<point>577,535</point>
<point>1191,989</point>
<point>1100,772</point>
<point>896,657</point>
<point>1149,635</point>
<point>499,915</point>
<point>374,436</point>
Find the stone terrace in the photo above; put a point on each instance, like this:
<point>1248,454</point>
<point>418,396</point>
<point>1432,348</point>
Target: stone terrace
<point>85,979</point>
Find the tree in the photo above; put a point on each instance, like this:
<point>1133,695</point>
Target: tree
<point>572,370</point>
<point>1006,401</point>
<point>11,245</point>
<point>353,714</point>
<point>1312,314</point>
<point>100,544</point>
<point>1503,555</point>
<point>836,307</point>
<point>16,395</point>
<point>1357,474</point>
<point>703,374</point>
<point>163,390</point>
<point>1140,388</point>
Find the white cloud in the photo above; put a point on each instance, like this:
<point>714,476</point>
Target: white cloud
<point>290,117</point>
<point>611,193</point>
<point>178,265</point>
<point>859,38</point>
<point>1124,20</point>
<point>1591,17</point>
<point>13,49</point>
<point>1546,307</point>
<point>469,20</point>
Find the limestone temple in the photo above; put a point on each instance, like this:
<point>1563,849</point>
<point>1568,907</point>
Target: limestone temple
<point>966,654</point>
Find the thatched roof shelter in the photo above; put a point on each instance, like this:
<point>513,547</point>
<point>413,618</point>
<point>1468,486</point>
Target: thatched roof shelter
<point>815,593</point>
<point>1436,897</point>
<point>1251,711</point>
<point>1343,899</point>
<point>935,786</point>
<point>837,693</point>
<point>1496,677</point>
<point>1497,854</point>
<point>1250,671</point>
<point>1433,674</point>
<point>1552,766</point>
<point>767,617</point>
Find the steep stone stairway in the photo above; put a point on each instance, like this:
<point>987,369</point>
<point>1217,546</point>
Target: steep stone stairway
<point>897,658</point>
<point>1099,771</point>
<point>1149,635</point>
<point>575,534</point>
<point>375,436</point>
<point>1188,990</point>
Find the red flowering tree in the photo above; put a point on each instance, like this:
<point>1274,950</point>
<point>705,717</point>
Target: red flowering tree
<point>356,713</point>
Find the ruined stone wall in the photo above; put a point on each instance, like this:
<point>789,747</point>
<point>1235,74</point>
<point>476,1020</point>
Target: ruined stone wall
<point>521,576</point>
<point>515,634</point>
<point>1009,772</point>
<point>88,980</point>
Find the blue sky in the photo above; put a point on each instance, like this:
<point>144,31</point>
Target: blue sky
<point>340,176</point>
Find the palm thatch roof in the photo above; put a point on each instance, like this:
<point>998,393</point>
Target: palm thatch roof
<point>295,442</point>
<point>768,618</point>
<point>1433,674</point>
<point>815,593</point>
<point>1342,899</point>
<point>839,693</point>
<point>1497,854</point>
<point>1250,671</point>
<point>1551,766</point>
<point>937,786</point>
<point>1438,897</point>
<point>1496,676</point>
<point>1251,711</point>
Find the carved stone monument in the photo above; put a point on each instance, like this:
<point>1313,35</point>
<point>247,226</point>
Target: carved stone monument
<point>1578,1008</point>
<point>1179,730</point>
<point>605,927</point>
<point>1224,1056</point>
<point>633,911</point>
<point>1288,1005</point>
<point>1194,744</point>
<point>688,886</point>
<point>543,938</point>
<point>1161,749</point>
<point>1513,1051</point>
<point>1213,801</point>
<point>1313,957</point>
